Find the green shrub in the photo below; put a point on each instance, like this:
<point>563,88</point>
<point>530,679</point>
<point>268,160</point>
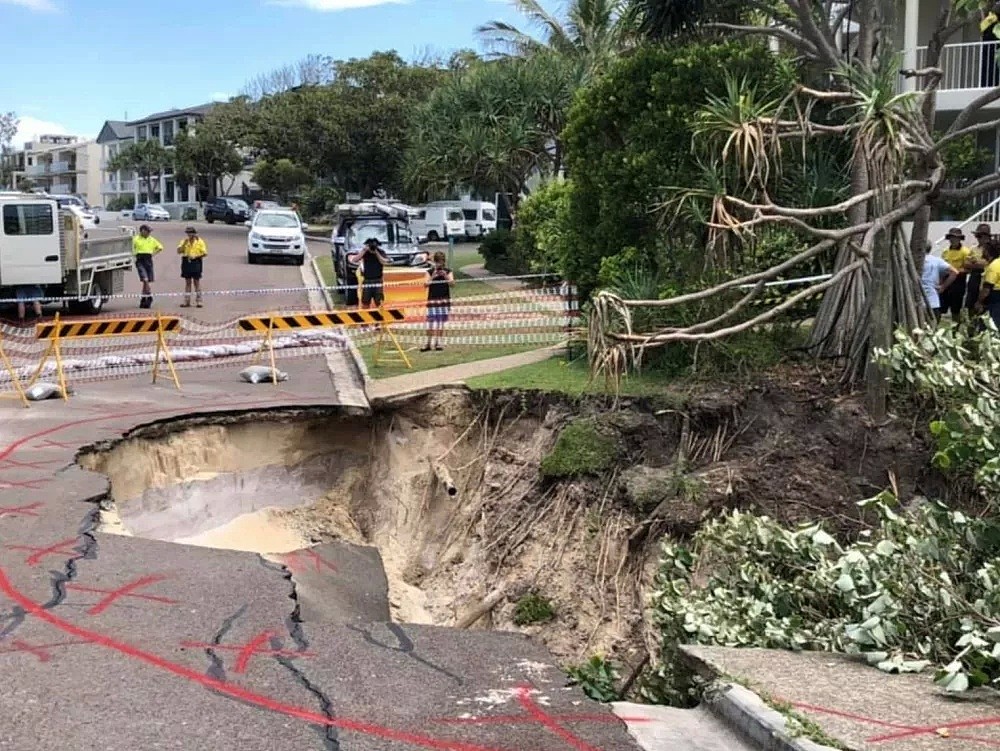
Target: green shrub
<point>319,201</point>
<point>597,677</point>
<point>501,255</point>
<point>583,448</point>
<point>543,227</point>
<point>533,608</point>
<point>121,203</point>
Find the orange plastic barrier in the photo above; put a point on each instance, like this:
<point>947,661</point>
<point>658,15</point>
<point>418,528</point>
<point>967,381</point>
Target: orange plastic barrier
<point>402,286</point>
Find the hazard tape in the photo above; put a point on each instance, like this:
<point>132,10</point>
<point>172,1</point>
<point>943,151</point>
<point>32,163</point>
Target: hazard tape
<point>324,319</point>
<point>107,327</point>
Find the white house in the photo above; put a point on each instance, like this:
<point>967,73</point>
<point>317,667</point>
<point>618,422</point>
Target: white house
<point>67,165</point>
<point>114,136</point>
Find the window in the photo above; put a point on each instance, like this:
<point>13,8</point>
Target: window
<point>454,215</point>
<point>170,191</point>
<point>27,219</point>
<point>422,214</point>
<point>489,215</point>
<point>470,214</point>
<point>182,125</point>
<point>168,134</point>
<point>154,132</point>
<point>140,133</point>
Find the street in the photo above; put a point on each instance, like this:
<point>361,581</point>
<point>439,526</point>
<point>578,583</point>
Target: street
<point>226,268</point>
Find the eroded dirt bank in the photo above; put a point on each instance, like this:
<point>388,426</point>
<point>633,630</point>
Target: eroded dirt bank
<point>560,500</point>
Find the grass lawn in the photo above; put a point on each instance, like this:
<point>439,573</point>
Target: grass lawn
<point>431,360</point>
<point>571,378</point>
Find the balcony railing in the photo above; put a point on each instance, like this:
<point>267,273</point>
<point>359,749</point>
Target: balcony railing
<point>38,169</point>
<point>61,188</point>
<point>58,167</point>
<point>972,65</point>
<point>125,186</point>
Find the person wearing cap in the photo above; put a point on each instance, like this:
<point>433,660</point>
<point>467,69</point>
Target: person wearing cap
<point>144,247</point>
<point>958,257</point>
<point>192,251</point>
<point>976,264</point>
<point>372,261</point>
<point>989,293</point>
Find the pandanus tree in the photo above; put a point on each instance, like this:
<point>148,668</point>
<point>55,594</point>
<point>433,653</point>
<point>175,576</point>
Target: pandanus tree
<point>897,174</point>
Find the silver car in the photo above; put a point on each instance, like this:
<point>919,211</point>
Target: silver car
<point>150,212</point>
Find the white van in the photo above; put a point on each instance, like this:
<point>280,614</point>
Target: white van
<point>480,218</point>
<point>439,221</point>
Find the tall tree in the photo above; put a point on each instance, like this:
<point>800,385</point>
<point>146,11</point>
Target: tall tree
<point>282,177</point>
<point>148,159</point>
<point>492,127</point>
<point>591,31</point>
<point>204,158</point>
<point>8,129</point>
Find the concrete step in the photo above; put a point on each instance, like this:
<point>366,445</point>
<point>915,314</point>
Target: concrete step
<point>669,729</point>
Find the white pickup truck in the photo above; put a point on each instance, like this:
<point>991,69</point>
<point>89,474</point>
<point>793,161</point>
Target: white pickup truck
<point>44,246</point>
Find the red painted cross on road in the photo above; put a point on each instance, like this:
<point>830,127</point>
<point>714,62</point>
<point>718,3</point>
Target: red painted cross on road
<point>41,651</point>
<point>303,560</point>
<point>128,590</point>
<point>29,510</point>
<point>246,652</point>
<point>26,484</point>
<point>50,444</point>
<point>63,548</point>
<point>40,465</point>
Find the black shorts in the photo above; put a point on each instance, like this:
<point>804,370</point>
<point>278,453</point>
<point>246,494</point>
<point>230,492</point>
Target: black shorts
<point>372,292</point>
<point>144,266</point>
<point>191,268</point>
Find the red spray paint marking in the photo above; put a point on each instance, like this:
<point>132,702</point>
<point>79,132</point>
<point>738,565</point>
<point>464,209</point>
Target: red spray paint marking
<point>224,687</point>
<point>26,484</point>
<point>29,510</point>
<point>301,560</point>
<point>62,548</point>
<point>909,730</point>
<point>127,590</point>
<point>517,719</point>
<point>41,651</point>
<point>47,444</point>
<point>548,721</point>
<point>255,646</point>
<point>39,465</point>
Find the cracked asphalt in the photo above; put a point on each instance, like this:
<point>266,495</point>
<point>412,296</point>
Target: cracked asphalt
<point>112,642</point>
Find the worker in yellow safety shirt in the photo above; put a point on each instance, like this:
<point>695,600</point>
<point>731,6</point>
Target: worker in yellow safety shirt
<point>145,246</point>
<point>989,30</point>
<point>989,291</point>
<point>192,250</point>
<point>960,259</point>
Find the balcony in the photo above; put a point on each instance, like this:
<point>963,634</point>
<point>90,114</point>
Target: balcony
<point>969,70</point>
<point>61,189</point>
<point>38,169</point>
<point>118,188</point>
<point>61,167</point>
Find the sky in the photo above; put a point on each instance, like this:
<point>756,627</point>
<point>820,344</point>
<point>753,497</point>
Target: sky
<point>81,62</point>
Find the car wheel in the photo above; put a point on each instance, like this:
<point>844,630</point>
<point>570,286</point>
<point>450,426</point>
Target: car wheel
<point>230,220</point>
<point>300,260</point>
<point>433,236</point>
<point>92,305</point>
<point>210,219</point>
<point>251,259</point>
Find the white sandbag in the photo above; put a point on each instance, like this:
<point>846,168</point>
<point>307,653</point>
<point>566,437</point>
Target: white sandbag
<point>44,390</point>
<point>261,374</point>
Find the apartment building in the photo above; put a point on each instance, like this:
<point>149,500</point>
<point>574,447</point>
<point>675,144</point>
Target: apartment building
<point>60,164</point>
<point>114,136</point>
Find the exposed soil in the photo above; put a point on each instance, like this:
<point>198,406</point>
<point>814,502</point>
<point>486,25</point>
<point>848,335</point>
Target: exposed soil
<point>278,481</point>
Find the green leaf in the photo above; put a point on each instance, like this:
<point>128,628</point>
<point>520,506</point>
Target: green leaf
<point>953,682</point>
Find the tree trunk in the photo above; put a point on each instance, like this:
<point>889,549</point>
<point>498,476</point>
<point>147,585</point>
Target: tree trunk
<point>881,319</point>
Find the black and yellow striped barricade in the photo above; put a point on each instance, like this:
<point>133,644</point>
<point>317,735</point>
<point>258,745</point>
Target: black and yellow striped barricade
<point>280,322</point>
<point>58,330</point>
<point>14,379</point>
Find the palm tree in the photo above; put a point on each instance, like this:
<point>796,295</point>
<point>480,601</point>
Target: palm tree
<point>592,30</point>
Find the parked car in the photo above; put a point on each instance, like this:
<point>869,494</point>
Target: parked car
<point>276,234</point>
<point>150,212</point>
<point>228,210</point>
<point>389,223</point>
<point>88,219</point>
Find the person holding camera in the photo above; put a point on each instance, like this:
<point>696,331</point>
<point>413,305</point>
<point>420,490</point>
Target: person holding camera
<point>372,261</point>
<point>439,284</point>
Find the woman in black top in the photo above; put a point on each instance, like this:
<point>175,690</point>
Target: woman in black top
<point>439,282</point>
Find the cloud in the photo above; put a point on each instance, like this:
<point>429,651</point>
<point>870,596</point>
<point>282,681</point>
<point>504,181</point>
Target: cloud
<point>323,6</point>
<point>221,96</point>
<point>41,6</point>
<point>29,128</point>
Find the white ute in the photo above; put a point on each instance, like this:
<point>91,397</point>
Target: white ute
<point>44,246</point>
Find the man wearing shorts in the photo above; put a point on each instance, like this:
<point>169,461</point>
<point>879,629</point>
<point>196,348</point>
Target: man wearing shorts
<point>192,251</point>
<point>439,283</point>
<point>372,261</point>
<point>145,246</point>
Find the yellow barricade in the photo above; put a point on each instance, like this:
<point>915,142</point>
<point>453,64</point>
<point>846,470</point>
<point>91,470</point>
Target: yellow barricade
<point>14,379</point>
<point>56,331</point>
<point>381,317</point>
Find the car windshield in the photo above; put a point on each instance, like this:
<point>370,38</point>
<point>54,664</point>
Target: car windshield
<point>388,233</point>
<point>285,221</point>
<point>156,207</point>
<point>239,204</point>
